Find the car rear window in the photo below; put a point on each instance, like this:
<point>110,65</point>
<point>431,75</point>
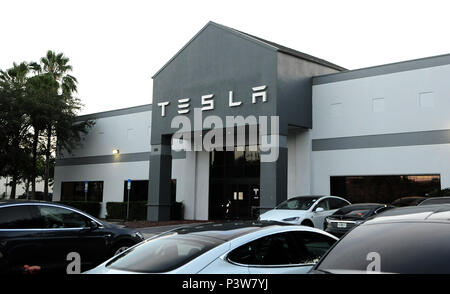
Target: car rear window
<point>408,248</point>
<point>163,254</point>
<point>16,217</point>
<point>358,213</point>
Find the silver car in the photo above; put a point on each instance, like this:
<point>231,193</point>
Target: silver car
<point>225,248</point>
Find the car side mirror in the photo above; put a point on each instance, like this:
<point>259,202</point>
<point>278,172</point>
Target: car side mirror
<point>93,225</point>
<point>319,209</point>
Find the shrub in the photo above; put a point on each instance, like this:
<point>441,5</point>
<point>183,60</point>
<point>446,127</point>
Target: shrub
<point>177,211</point>
<point>90,207</point>
<point>118,210</point>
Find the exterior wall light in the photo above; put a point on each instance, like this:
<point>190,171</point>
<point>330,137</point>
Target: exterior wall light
<point>116,151</point>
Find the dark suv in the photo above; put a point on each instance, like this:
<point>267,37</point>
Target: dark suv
<point>408,240</point>
<point>43,234</point>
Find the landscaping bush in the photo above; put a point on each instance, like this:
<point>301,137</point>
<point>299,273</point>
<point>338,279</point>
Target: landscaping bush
<point>177,212</point>
<point>90,207</point>
<point>118,210</point>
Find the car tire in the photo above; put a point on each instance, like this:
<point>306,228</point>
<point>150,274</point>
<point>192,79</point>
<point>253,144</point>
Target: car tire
<point>120,247</point>
<point>307,223</point>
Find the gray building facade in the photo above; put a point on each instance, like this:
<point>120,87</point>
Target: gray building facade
<point>219,60</point>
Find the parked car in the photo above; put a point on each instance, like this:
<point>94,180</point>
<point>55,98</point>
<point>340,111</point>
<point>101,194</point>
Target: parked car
<point>305,210</point>
<point>42,233</point>
<point>344,219</point>
<point>408,201</point>
<point>225,248</point>
<point>408,240</point>
<point>39,195</point>
<point>435,200</point>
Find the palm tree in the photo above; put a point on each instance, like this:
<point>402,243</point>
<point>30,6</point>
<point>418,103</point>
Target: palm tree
<point>62,107</point>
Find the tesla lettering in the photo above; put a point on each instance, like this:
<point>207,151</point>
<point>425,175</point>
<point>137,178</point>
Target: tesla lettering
<point>207,101</point>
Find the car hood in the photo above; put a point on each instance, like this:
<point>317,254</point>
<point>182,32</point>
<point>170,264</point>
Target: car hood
<point>280,214</point>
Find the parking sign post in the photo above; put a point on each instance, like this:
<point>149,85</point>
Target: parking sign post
<point>85,190</point>
<point>128,200</point>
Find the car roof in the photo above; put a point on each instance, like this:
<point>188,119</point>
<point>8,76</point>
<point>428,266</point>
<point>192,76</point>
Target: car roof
<point>368,205</point>
<point>433,198</point>
<point>410,197</point>
<point>313,196</point>
<point>10,202</point>
<point>227,231</point>
<point>438,212</point>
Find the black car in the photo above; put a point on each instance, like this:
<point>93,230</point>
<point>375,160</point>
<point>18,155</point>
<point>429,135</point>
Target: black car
<point>408,240</point>
<point>344,219</point>
<point>44,233</point>
<point>38,195</point>
<point>408,201</point>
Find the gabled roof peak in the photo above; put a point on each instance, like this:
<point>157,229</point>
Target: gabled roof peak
<point>259,41</point>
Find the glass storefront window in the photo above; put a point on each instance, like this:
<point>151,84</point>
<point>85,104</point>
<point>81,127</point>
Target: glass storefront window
<point>138,191</point>
<point>234,183</point>
<point>74,191</point>
<point>382,189</point>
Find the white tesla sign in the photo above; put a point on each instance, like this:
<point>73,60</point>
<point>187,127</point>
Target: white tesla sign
<point>258,93</point>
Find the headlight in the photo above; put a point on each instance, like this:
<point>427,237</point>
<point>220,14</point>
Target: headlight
<point>138,235</point>
<point>291,219</point>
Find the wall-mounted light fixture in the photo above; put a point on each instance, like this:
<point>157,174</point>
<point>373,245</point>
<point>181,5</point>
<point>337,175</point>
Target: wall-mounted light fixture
<point>116,151</point>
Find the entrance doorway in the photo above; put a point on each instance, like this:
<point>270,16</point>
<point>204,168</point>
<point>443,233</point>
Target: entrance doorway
<point>234,184</point>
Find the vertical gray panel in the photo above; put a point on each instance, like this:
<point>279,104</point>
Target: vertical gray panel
<point>160,181</point>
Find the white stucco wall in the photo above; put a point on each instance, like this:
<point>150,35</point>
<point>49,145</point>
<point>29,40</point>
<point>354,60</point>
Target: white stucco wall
<point>113,176</point>
<point>192,176</point>
<point>402,112</point>
<point>130,133</point>
<point>384,104</point>
<point>299,163</point>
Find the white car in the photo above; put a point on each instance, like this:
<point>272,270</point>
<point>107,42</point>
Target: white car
<point>225,248</point>
<point>305,210</point>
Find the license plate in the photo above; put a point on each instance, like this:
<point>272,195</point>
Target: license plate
<point>341,225</point>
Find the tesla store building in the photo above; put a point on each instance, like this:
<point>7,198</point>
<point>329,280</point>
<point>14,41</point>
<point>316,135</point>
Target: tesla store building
<point>369,135</point>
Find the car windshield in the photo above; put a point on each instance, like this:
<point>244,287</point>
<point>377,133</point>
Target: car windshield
<point>406,248</point>
<point>354,213</point>
<point>163,254</point>
<point>299,203</point>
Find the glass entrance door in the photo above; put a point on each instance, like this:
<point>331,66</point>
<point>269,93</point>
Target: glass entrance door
<point>234,184</point>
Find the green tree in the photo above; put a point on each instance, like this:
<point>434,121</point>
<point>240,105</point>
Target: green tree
<point>60,108</point>
<point>41,97</point>
<point>38,109</point>
<point>14,155</point>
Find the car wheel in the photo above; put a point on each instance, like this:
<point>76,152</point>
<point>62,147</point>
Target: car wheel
<point>307,223</point>
<point>121,247</point>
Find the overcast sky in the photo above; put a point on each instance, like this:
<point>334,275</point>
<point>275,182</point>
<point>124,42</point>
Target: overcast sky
<point>116,46</point>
